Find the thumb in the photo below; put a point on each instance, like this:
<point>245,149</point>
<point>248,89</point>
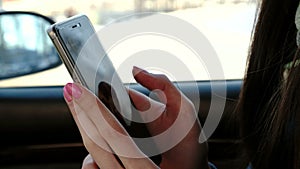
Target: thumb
<point>149,109</point>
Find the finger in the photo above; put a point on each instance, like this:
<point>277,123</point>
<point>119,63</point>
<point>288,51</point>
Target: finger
<point>151,81</point>
<point>110,129</point>
<point>89,163</point>
<point>148,108</point>
<point>140,101</point>
<point>162,87</point>
<point>100,154</point>
<point>93,141</point>
<point>103,158</point>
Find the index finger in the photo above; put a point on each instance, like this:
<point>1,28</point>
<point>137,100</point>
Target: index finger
<point>152,81</point>
<point>161,86</point>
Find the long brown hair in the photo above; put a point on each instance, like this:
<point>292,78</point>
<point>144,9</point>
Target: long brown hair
<point>269,103</point>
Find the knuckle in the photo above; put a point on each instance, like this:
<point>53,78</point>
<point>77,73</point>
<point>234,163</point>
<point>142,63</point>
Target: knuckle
<point>163,77</point>
<point>88,163</point>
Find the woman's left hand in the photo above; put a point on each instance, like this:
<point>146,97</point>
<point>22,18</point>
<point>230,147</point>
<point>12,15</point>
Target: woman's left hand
<point>102,141</point>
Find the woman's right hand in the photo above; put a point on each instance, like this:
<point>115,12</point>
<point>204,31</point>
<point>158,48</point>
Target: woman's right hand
<point>188,153</point>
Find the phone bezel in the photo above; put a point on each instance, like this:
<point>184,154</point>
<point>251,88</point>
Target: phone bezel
<point>53,32</point>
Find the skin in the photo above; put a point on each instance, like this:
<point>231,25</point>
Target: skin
<point>100,140</point>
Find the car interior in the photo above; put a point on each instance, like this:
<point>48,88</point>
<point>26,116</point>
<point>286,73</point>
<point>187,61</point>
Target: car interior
<point>36,126</point>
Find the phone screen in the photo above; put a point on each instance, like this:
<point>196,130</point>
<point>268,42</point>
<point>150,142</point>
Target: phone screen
<point>90,63</point>
<point>74,35</point>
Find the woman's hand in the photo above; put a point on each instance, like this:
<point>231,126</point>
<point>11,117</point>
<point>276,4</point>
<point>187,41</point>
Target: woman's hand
<point>188,153</point>
<point>101,141</point>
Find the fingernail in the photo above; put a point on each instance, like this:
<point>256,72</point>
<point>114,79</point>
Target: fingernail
<point>67,95</point>
<point>73,90</point>
<point>136,70</point>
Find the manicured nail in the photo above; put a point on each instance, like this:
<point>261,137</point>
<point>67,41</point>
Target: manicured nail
<point>67,95</point>
<point>73,90</point>
<point>136,70</point>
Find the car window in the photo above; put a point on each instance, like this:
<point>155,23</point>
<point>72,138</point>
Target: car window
<point>226,24</point>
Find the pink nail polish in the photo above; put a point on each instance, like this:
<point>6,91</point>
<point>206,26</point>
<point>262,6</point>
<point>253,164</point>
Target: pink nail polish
<point>73,90</point>
<point>67,95</point>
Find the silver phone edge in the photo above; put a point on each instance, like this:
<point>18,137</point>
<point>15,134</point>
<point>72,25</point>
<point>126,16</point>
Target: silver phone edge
<point>64,56</point>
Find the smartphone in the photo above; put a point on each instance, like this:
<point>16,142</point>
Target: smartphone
<point>88,64</point>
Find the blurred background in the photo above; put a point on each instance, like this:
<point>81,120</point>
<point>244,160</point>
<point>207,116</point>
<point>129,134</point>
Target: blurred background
<point>227,24</point>
<point>104,11</point>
